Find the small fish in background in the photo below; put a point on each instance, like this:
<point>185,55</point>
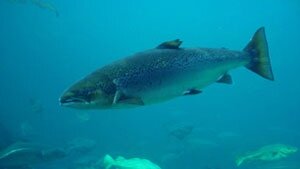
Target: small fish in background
<point>181,131</point>
<point>39,3</point>
<point>165,72</point>
<point>132,163</point>
<point>28,154</point>
<point>267,153</point>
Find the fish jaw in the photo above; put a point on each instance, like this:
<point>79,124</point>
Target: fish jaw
<point>83,104</point>
<point>69,99</point>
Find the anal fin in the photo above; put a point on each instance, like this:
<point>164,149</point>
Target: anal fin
<point>226,79</point>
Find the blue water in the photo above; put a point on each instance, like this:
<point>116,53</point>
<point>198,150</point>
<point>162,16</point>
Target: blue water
<point>41,55</point>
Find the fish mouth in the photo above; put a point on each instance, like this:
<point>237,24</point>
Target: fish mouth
<point>71,101</point>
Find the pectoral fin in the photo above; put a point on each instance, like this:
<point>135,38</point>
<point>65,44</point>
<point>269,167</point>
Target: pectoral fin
<point>226,78</point>
<point>191,92</point>
<point>117,97</point>
<point>123,99</point>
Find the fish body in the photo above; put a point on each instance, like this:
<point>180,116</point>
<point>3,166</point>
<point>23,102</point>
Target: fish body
<point>164,73</point>
<point>133,163</point>
<point>267,153</point>
<point>28,154</point>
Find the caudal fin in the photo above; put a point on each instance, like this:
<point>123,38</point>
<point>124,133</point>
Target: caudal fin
<point>108,161</point>
<point>258,50</point>
<point>239,161</point>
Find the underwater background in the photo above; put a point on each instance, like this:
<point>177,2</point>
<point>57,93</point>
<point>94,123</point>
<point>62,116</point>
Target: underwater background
<point>42,53</point>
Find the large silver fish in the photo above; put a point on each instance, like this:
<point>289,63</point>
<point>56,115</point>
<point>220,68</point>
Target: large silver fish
<point>163,73</point>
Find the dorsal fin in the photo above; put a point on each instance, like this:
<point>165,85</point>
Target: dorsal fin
<point>173,44</point>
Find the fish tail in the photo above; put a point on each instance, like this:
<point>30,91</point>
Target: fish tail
<point>108,161</point>
<point>258,49</point>
<point>239,161</point>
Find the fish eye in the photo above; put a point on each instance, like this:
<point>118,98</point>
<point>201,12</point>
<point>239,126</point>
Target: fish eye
<point>85,92</point>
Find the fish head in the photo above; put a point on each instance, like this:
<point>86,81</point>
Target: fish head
<point>85,95</point>
<point>284,150</point>
<point>289,149</point>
